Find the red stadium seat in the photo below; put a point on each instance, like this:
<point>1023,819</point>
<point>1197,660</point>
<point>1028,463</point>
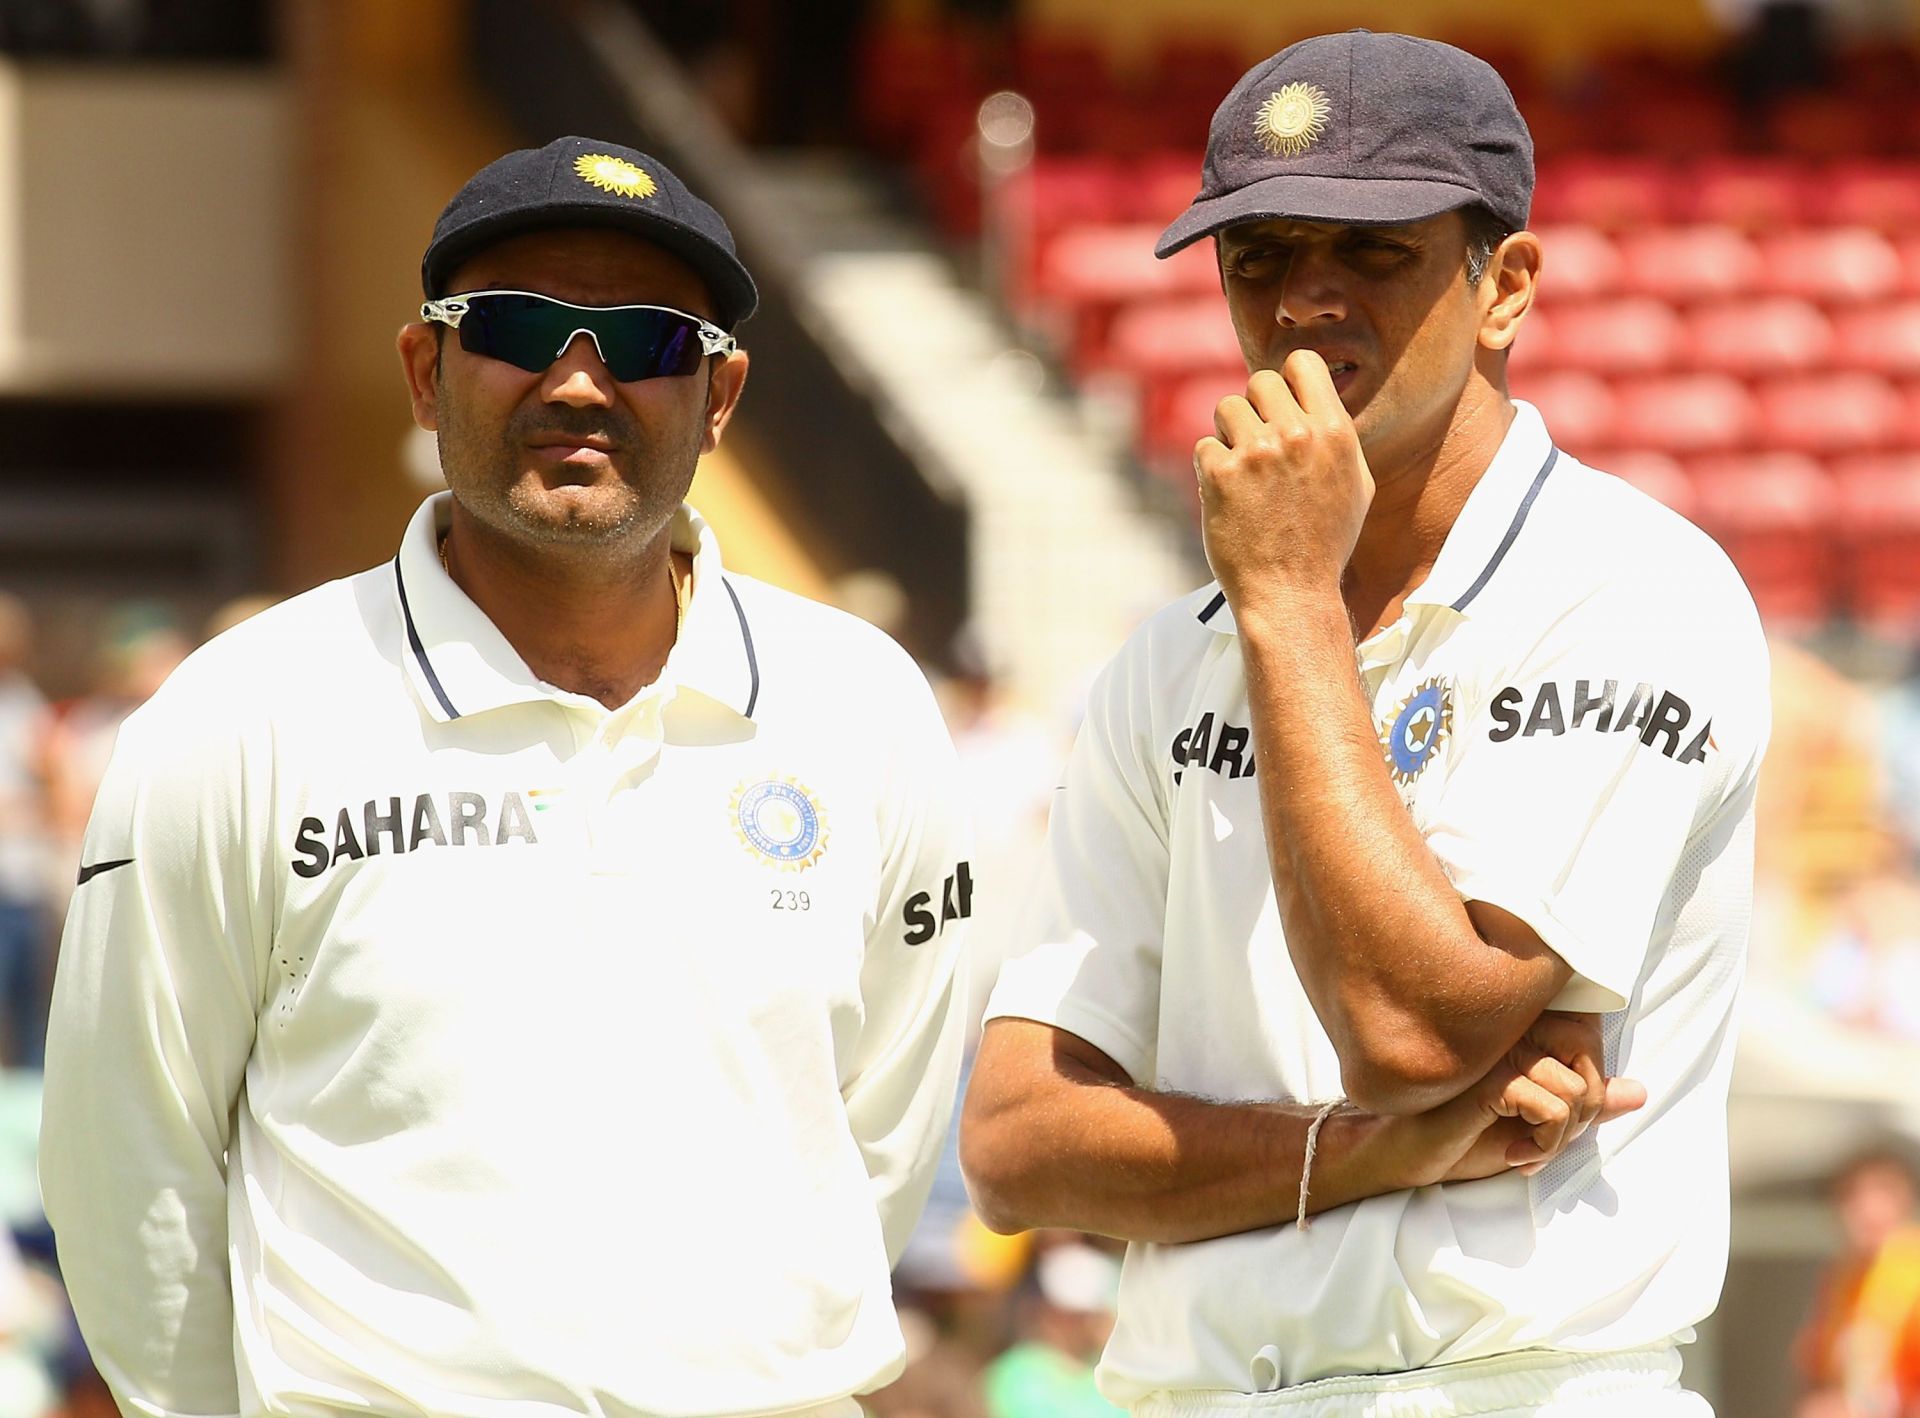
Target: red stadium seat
<point>1774,514</point>
<point>1055,61</point>
<point>1535,349</point>
<point>1879,515</point>
<point>1876,194</point>
<point>1833,265</point>
<point>1659,475</point>
<point>1165,339</point>
<point>905,71</point>
<point>1754,194</point>
<point>1844,412</point>
<point>1684,413</point>
<point>1187,78</point>
<point>1637,335</point>
<point>1578,407</point>
<point>1882,338</point>
<point>1041,200</point>
<point>1615,193</point>
<point>1907,249</point>
<point>1830,124</point>
<point>1676,123</point>
<point>1687,263</point>
<point>1163,185</point>
<point>1088,273</point>
<point>1179,415</point>
<point>1577,262</point>
<point>1768,336</point>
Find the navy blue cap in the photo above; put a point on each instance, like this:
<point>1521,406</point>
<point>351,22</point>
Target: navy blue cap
<point>1362,129</point>
<point>586,182</point>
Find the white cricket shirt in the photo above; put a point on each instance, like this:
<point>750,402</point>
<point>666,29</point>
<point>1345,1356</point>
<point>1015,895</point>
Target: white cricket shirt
<point>451,1044</point>
<point>1574,707</point>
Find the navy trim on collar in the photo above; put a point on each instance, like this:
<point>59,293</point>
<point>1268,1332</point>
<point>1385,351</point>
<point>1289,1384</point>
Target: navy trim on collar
<point>746,641</point>
<point>1513,531</point>
<point>1213,607</point>
<point>419,650</point>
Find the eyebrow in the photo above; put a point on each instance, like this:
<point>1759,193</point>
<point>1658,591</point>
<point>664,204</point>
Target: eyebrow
<point>1265,233</point>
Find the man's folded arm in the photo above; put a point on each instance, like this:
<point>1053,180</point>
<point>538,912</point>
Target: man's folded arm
<point>1055,1134</point>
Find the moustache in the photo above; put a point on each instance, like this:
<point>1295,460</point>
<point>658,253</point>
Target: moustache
<point>570,423</point>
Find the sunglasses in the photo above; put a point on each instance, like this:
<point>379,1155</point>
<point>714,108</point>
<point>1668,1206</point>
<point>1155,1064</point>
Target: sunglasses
<point>531,331</point>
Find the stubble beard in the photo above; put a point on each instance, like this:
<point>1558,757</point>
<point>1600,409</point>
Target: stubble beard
<point>497,490</point>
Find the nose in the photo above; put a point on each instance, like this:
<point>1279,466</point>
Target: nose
<point>1311,291</point>
<point>578,376</point>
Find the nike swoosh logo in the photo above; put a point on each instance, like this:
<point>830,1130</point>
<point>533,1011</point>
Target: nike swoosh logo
<point>88,873</point>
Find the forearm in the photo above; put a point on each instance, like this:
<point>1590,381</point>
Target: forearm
<point>1416,1002</point>
<point>1116,1160</point>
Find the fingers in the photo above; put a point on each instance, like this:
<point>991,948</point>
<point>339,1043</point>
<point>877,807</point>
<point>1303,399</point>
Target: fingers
<point>1575,1040</point>
<point>1560,1101</point>
<point>1236,421</point>
<point>1550,1114</point>
<point>1624,1095</point>
<point>1310,385</point>
<point>1294,399</point>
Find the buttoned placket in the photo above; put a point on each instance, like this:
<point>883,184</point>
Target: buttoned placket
<point>613,748</point>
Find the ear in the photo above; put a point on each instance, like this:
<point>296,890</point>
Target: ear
<point>723,396</point>
<point>1507,289</point>
<point>420,362</point>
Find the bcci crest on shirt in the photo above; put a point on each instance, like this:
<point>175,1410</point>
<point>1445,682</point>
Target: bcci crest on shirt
<point>1420,725</point>
<point>778,820</point>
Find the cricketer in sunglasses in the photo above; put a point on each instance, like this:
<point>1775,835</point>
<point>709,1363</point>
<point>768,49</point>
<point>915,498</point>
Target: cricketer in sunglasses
<point>503,982</point>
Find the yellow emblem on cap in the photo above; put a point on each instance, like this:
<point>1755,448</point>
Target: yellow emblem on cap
<point>611,174</point>
<point>1293,119</point>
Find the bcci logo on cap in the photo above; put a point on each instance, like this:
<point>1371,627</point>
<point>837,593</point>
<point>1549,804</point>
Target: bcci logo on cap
<point>778,821</point>
<point>1292,120</point>
<point>1419,727</point>
<point>611,174</point>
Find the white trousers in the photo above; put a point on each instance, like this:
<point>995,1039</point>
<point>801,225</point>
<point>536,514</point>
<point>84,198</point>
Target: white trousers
<point>1534,1384</point>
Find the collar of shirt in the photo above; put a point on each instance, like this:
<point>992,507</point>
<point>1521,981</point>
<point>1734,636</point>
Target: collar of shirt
<point>461,664</point>
<point>1481,535</point>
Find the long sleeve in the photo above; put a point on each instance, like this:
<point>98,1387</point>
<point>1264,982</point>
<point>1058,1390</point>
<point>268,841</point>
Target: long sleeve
<point>901,1085</point>
<point>153,1017</point>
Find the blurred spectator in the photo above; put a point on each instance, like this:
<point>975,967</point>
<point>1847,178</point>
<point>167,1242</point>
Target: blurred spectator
<point>232,612</point>
<point>942,1379</point>
<point>1860,1350</point>
<point>1900,758</point>
<point>1062,1324</point>
<point>139,649</point>
<point>1867,969</point>
<point>24,914</point>
<point>1778,47</point>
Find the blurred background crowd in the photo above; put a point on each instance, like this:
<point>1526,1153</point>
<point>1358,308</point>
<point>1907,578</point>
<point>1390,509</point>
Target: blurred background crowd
<point>974,395</point>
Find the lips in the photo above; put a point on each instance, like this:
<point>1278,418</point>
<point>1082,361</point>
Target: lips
<point>570,444</point>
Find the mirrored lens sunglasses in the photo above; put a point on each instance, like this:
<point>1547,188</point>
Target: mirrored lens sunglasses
<point>531,331</point>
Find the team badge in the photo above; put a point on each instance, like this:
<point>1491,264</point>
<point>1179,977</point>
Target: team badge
<point>1292,120</point>
<point>1419,726</point>
<point>611,174</point>
<point>779,821</point>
